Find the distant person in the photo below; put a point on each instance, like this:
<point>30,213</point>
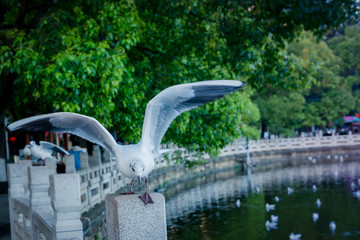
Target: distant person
<point>266,135</point>
<point>76,150</point>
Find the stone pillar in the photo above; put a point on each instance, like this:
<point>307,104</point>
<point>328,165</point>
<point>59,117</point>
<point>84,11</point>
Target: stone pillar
<point>65,200</point>
<point>51,164</point>
<point>39,192</point>
<point>16,189</point>
<point>127,217</point>
<point>2,170</point>
<point>69,163</point>
<point>25,164</point>
<point>39,188</point>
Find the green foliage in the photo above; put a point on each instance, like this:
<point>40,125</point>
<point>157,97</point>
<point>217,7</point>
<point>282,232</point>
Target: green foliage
<point>67,65</point>
<point>347,48</point>
<point>333,94</point>
<point>283,112</point>
<point>107,59</point>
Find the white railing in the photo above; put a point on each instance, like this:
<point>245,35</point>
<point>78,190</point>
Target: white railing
<point>34,214</point>
<point>239,147</point>
<point>43,207</point>
<point>97,178</point>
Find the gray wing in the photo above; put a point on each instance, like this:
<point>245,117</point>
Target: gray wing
<point>173,101</point>
<point>53,147</point>
<point>77,124</point>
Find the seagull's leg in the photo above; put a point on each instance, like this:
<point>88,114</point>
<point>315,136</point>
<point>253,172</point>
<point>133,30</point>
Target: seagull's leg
<point>130,190</point>
<point>146,196</point>
<point>131,186</point>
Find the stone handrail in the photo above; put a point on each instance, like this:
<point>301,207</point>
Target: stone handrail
<point>98,178</point>
<point>239,147</point>
<point>50,210</point>
<point>36,214</point>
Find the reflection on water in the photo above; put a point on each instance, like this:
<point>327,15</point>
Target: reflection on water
<point>205,207</point>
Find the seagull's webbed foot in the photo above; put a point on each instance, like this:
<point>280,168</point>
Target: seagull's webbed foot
<point>146,198</point>
<point>130,190</point>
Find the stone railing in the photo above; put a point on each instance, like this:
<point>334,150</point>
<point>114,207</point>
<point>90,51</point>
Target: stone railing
<point>240,146</point>
<point>43,207</point>
<point>36,214</point>
<point>97,178</point>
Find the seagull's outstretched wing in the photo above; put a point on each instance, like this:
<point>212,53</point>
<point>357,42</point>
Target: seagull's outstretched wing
<point>53,147</point>
<point>77,124</point>
<point>173,101</point>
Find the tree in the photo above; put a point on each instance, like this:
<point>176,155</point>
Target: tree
<point>326,101</point>
<point>106,59</point>
<point>346,47</point>
<point>330,97</point>
<point>282,112</point>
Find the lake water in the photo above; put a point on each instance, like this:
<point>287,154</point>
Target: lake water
<point>205,207</point>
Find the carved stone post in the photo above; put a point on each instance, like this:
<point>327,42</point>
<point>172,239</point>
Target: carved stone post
<point>70,163</point>
<point>39,188</point>
<point>65,200</point>
<point>16,189</point>
<point>39,192</point>
<point>127,217</point>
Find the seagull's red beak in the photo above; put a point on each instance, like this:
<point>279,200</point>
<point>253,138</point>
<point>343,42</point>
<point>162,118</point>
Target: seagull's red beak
<point>139,179</point>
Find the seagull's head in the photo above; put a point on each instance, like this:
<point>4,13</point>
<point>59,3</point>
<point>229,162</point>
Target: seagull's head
<point>137,167</point>
<point>32,143</point>
<point>27,150</point>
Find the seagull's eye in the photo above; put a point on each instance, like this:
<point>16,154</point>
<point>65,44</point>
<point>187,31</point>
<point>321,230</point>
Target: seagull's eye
<point>133,169</point>
<point>143,169</point>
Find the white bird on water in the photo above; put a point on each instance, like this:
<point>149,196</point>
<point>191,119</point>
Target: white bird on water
<point>44,150</point>
<point>295,236</point>
<point>357,194</point>
<point>332,226</point>
<point>315,216</point>
<point>136,160</point>
<point>238,203</point>
<point>270,225</point>
<point>269,207</point>
<point>274,218</point>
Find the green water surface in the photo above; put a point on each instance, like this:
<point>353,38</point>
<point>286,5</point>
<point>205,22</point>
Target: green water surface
<point>205,208</point>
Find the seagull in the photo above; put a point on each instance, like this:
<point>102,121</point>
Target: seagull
<point>269,207</point>
<point>135,160</point>
<point>270,225</point>
<point>318,203</point>
<point>290,190</point>
<point>314,188</point>
<point>295,236</point>
<point>44,150</point>
<point>274,218</point>
<point>238,203</point>
<point>315,216</point>
<point>357,194</point>
<point>277,199</point>
<point>332,226</point>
